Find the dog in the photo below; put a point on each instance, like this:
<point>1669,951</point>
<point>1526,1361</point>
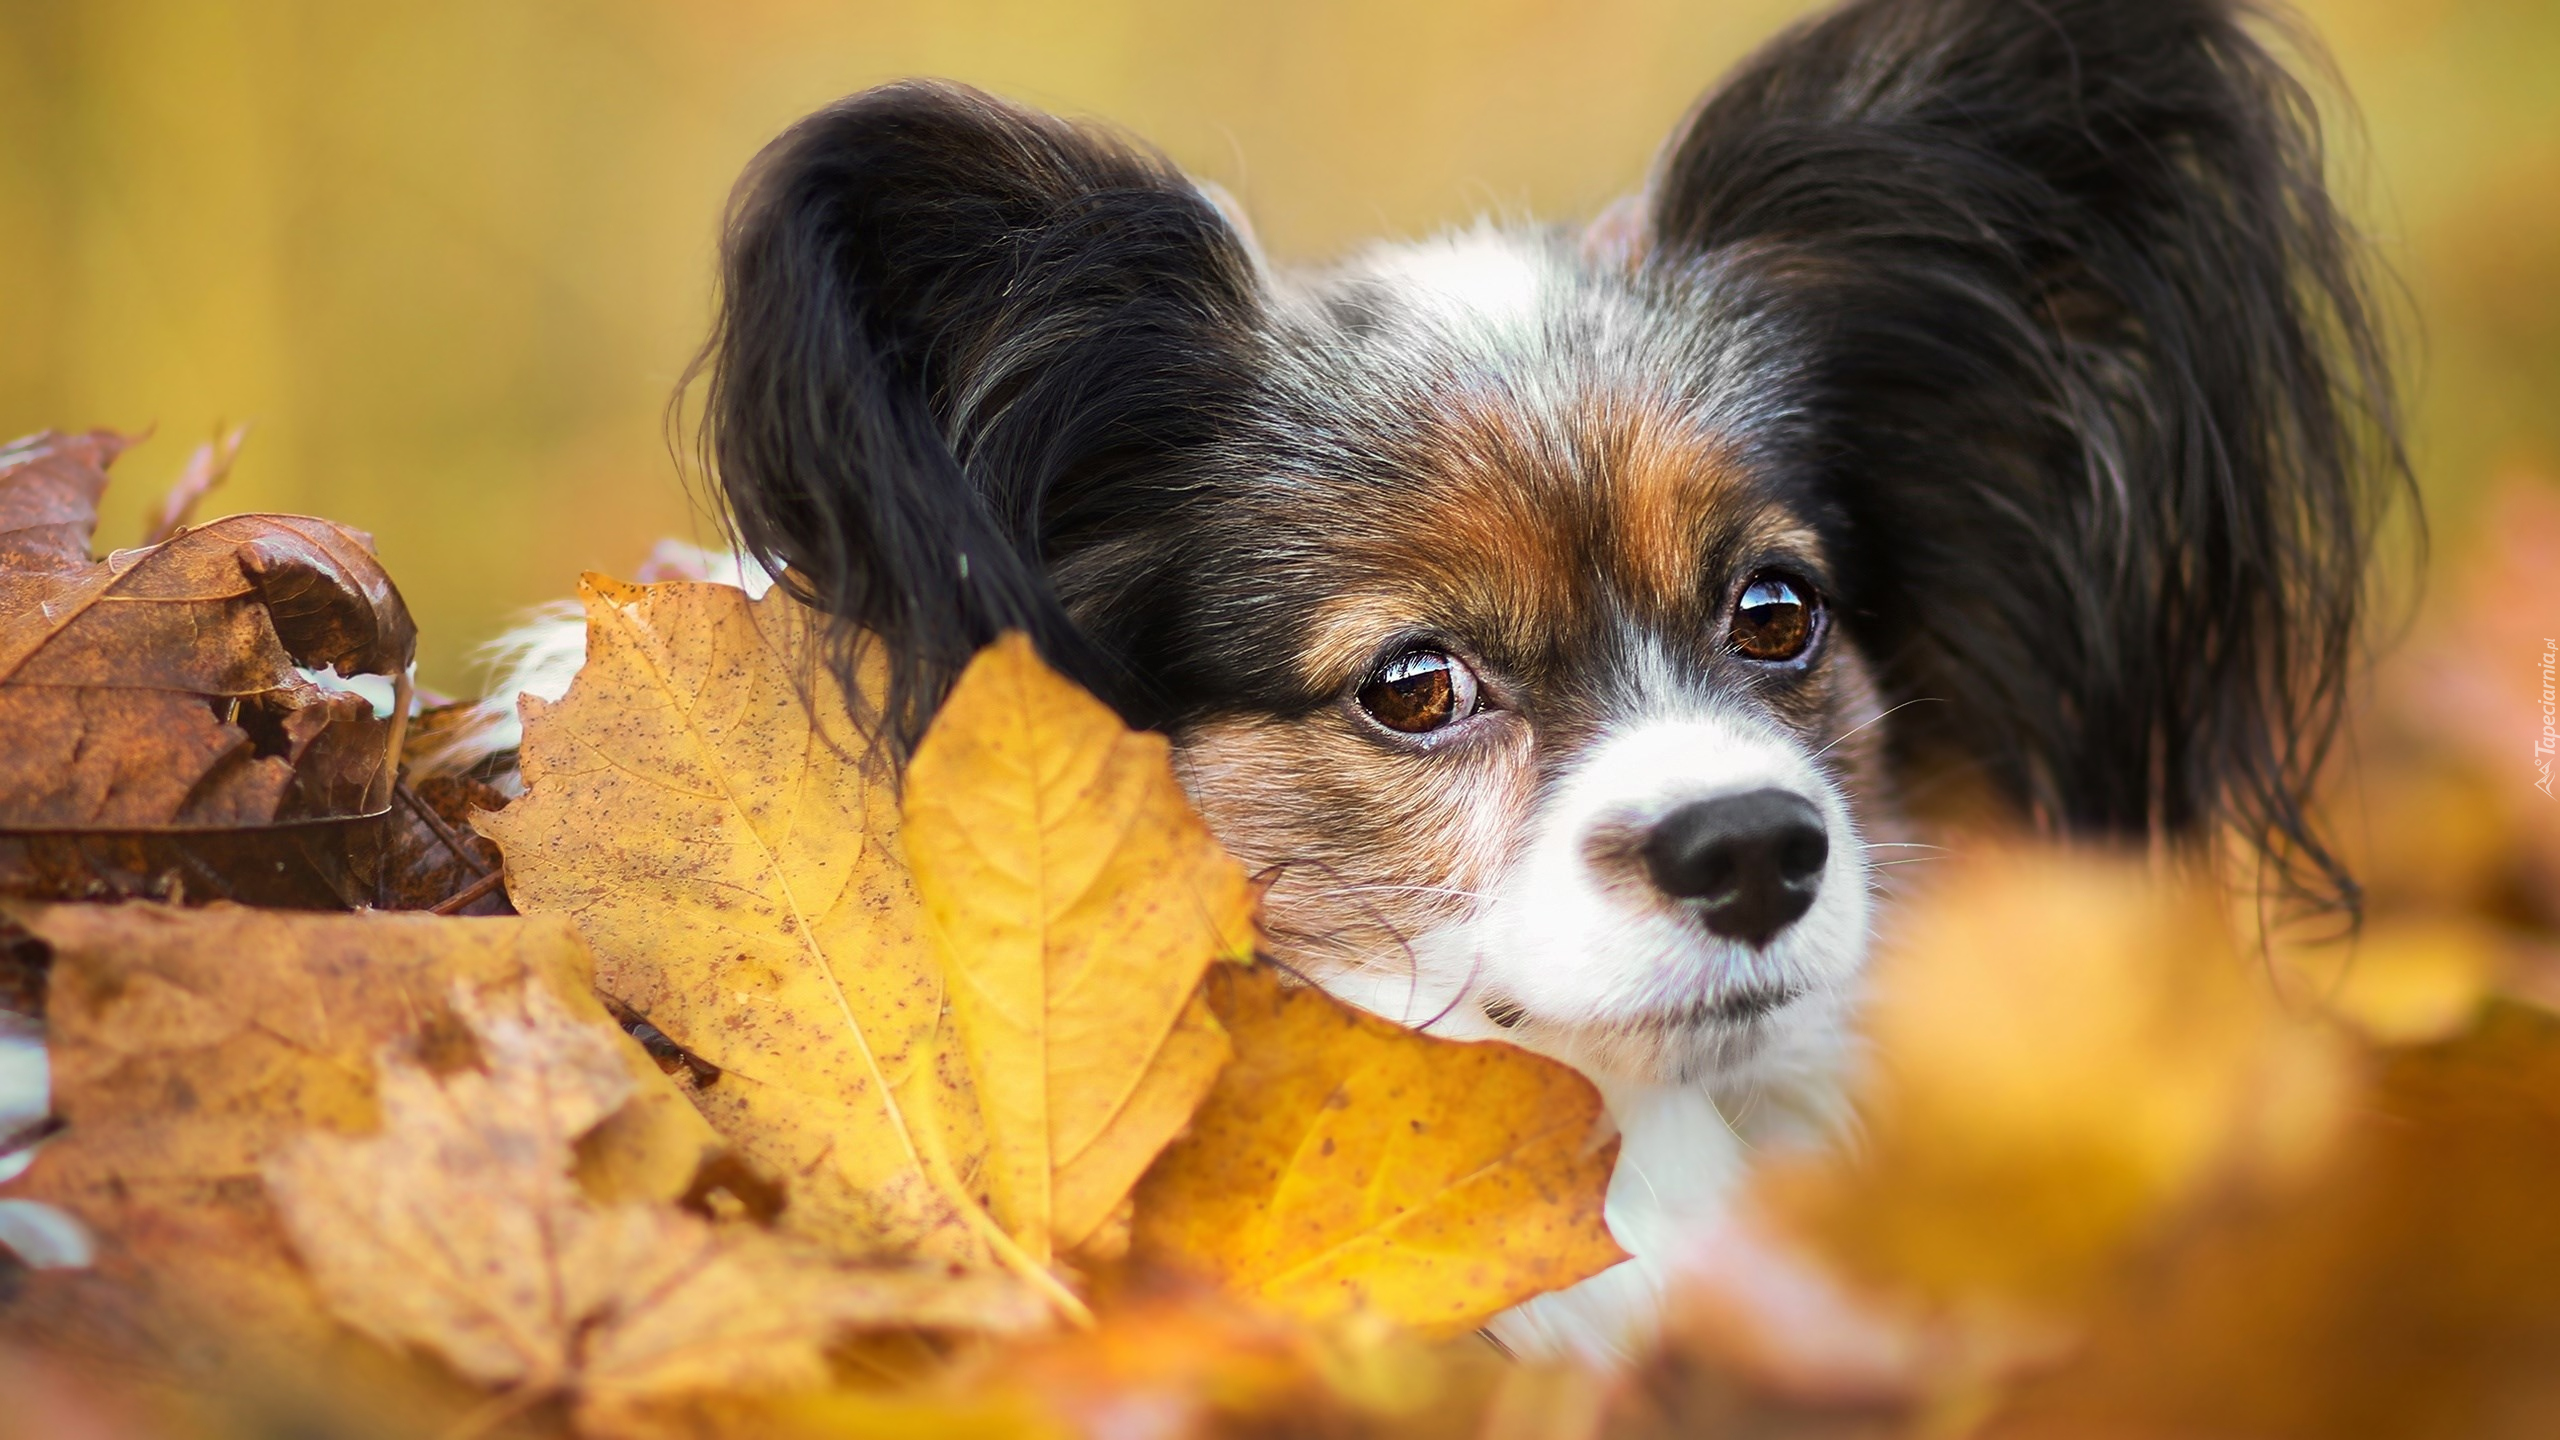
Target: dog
<point>1983,405</point>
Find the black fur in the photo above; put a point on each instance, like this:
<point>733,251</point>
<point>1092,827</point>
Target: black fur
<point>2072,350</point>
<point>957,338</point>
<point>2100,383</point>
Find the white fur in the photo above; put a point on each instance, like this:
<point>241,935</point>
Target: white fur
<point>1479,279</point>
<point>39,1235</point>
<point>1592,961</point>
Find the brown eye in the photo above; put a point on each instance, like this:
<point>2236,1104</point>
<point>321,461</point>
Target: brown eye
<point>1420,691</point>
<point>1774,619</point>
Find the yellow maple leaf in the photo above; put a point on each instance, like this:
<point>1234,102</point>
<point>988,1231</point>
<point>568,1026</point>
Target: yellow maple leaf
<point>1078,900</point>
<point>459,1227</point>
<point>731,854</point>
<point>705,805</point>
<point>1347,1166</point>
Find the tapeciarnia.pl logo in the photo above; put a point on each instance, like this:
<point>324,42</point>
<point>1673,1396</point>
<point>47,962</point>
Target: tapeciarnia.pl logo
<point>2549,739</point>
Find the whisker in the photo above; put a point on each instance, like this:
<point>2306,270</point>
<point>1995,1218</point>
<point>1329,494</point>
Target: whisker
<point>1878,720</point>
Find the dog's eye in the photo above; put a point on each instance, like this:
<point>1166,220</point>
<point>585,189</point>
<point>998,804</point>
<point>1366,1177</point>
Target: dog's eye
<point>1420,691</point>
<point>1774,620</point>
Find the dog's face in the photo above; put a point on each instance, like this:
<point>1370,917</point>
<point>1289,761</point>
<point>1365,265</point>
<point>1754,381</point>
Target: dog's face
<point>1979,389</point>
<point>1560,736</point>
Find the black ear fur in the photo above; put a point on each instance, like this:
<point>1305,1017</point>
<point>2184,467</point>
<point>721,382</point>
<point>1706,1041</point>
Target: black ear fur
<point>957,339</point>
<point>2096,365</point>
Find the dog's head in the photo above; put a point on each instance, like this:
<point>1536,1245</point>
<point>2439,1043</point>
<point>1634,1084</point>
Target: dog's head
<point>1983,392</point>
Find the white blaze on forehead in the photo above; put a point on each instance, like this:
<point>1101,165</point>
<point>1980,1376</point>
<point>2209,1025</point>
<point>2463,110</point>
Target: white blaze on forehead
<point>1480,278</point>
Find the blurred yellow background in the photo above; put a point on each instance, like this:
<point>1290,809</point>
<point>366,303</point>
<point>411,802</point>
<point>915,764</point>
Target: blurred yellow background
<point>451,257</point>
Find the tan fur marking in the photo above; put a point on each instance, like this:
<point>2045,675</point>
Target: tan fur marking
<point>1531,527</point>
<point>1376,847</point>
<point>1666,484</point>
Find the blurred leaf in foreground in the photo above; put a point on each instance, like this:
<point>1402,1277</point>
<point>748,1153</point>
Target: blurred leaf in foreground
<point>2412,1290</point>
<point>2066,1052</point>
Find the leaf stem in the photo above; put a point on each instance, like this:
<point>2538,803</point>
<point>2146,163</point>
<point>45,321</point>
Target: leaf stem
<point>1020,1262</point>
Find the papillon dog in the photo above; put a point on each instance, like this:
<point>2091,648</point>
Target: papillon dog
<point>1983,404</point>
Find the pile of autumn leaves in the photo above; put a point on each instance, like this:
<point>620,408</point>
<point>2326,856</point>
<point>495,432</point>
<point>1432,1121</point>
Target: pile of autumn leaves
<point>792,1067</point>
<point>804,1100</point>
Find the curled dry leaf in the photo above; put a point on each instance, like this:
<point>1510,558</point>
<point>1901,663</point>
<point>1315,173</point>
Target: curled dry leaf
<point>460,1227</point>
<point>706,807</point>
<point>437,861</point>
<point>1346,1166</point>
<point>160,687</point>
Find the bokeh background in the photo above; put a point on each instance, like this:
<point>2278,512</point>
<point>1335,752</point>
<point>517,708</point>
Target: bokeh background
<point>451,256</point>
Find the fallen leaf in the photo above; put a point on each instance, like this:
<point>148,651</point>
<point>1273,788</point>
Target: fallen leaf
<point>163,687</point>
<point>437,861</point>
<point>460,1227</point>
<point>1347,1166</point>
<point>705,805</point>
<point>2066,1051</point>
<point>2070,1060</point>
<point>2414,1289</point>
<point>731,853</point>
<point>50,484</point>
<point>1077,901</point>
<point>188,1045</point>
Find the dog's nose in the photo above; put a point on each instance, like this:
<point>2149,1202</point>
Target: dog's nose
<point>1752,862</point>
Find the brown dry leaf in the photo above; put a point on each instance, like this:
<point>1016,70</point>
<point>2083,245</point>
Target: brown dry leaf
<point>732,854</point>
<point>1347,1166</point>
<point>1077,901</point>
<point>461,1228</point>
<point>188,1045</point>
<point>2066,1052</point>
<point>158,687</point>
<point>437,860</point>
<point>49,506</point>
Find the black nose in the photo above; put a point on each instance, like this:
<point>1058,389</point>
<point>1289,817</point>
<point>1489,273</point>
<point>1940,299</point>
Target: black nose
<point>1752,862</point>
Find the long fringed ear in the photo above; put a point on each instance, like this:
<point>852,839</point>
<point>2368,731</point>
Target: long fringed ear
<point>2094,362</point>
<point>957,340</point>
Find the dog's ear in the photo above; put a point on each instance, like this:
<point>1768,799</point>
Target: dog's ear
<point>2095,366</point>
<point>958,340</point>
